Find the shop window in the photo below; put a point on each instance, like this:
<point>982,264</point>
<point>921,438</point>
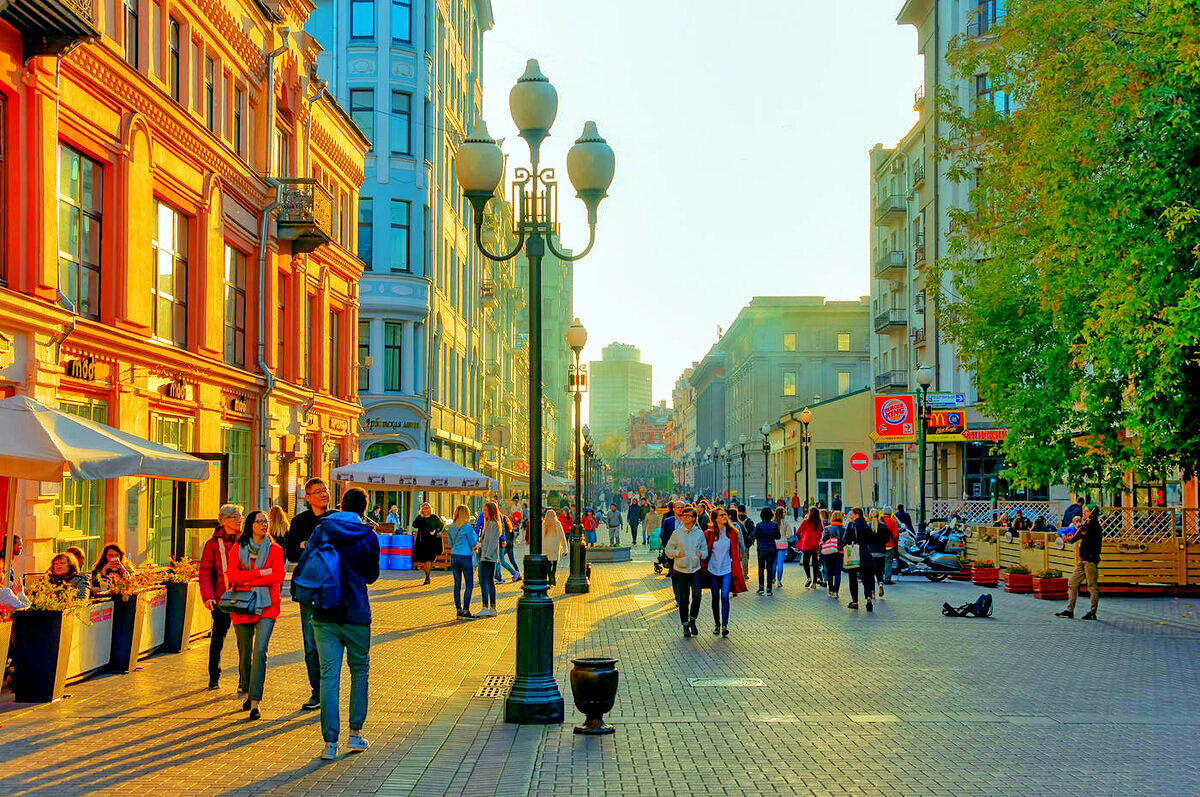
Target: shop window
<point>80,197</point>
<point>235,307</point>
<point>81,503</point>
<point>235,441</point>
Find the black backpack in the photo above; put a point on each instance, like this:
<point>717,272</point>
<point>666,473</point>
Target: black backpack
<point>982,607</point>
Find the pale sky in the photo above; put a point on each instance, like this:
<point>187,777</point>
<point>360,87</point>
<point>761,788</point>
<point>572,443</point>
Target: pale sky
<point>741,133</point>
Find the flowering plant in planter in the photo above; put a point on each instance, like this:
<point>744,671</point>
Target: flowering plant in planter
<point>5,614</point>
<point>1017,570</point>
<point>1017,578</point>
<point>1049,584</point>
<point>65,598</point>
<point>987,536</point>
<point>132,582</point>
<point>983,564</point>
<point>182,571</point>
<point>1031,544</point>
<point>1049,572</point>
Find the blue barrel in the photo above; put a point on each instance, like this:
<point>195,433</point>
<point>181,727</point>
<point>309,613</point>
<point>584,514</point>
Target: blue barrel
<point>385,551</point>
<point>400,557</point>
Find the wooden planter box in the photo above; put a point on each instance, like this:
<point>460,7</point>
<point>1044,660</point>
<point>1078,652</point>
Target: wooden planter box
<point>1021,583</point>
<point>964,574</point>
<point>1050,589</point>
<point>985,576</point>
<point>620,554</point>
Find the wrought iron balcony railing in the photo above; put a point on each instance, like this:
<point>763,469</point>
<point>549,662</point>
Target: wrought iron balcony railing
<point>889,261</point>
<point>306,214</point>
<point>891,380</point>
<point>895,317</point>
<point>889,207</point>
<point>49,27</point>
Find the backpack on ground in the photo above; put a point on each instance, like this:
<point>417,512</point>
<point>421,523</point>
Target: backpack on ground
<point>317,579</point>
<point>980,607</point>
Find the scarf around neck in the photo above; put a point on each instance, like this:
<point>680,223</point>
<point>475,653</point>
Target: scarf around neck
<point>262,594</point>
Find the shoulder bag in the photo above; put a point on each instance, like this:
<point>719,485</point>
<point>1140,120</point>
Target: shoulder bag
<point>231,600</point>
<point>851,554</point>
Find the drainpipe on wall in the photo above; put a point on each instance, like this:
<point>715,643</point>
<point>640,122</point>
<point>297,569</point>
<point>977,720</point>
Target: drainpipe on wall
<point>262,267</point>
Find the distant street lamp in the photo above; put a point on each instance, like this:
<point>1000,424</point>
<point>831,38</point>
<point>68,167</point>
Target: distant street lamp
<point>479,166</point>
<point>716,458</point>
<point>742,443</point>
<point>805,440</point>
<point>728,463</point>
<point>924,379</point>
<point>766,449</point>
<point>577,383</point>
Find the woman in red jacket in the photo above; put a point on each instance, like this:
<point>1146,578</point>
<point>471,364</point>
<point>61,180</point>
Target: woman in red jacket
<point>810,542</point>
<point>256,566</point>
<point>723,567</point>
<point>215,563</point>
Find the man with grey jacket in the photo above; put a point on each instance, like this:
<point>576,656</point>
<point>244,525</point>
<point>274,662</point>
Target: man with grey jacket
<point>613,519</point>
<point>688,548</point>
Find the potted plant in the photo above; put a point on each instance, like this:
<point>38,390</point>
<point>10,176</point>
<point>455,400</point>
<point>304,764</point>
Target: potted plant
<point>44,633</point>
<point>985,573</point>
<point>1049,584</point>
<point>183,600</point>
<point>964,570</point>
<point>1017,578</point>
<point>129,614</point>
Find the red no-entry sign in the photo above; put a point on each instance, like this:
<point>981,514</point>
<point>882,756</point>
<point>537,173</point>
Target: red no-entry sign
<point>859,461</point>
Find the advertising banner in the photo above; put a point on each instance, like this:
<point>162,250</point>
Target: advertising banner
<point>895,416</point>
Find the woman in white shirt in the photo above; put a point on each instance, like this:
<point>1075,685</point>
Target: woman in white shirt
<point>724,566</point>
<point>554,542</point>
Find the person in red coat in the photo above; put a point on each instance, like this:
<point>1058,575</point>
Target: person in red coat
<point>810,541</point>
<point>214,564</point>
<point>723,567</point>
<point>256,566</point>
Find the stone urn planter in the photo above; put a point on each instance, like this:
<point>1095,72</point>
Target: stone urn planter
<point>598,553</point>
<point>594,686</point>
<point>985,575</point>
<point>1050,589</point>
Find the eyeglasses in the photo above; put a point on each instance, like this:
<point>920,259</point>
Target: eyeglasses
<point>262,520</point>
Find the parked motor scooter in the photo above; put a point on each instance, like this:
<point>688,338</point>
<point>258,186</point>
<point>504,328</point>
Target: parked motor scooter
<point>918,559</point>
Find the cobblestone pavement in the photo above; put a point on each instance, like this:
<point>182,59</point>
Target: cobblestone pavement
<point>901,701</point>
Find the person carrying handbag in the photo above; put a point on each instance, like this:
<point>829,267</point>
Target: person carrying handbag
<point>255,574</point>
<point>831,553</point>
<point>214,580</point>
<point>856,558</point>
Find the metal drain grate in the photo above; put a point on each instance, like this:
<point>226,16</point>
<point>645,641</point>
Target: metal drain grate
<point>700,683</point>
<point>496,687</point>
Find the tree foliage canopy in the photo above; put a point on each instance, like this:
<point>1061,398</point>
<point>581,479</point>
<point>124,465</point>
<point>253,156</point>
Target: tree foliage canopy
<point>1073,282</point>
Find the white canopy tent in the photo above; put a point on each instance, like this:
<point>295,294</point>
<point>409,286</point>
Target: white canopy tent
<point>550,482</point>
<point>413,471</point>
<point>43,444</point>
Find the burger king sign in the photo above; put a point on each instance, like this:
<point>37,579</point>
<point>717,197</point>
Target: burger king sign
<point>895,416</point>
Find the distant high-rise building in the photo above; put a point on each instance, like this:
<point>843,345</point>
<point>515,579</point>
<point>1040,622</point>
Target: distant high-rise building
<point>620,386</point>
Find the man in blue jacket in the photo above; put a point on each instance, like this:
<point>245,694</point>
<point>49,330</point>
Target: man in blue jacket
<point>347,627</point>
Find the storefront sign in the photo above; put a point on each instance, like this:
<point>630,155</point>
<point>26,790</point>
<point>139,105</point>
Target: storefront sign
<point>980,435</point>
<point>895,416</point>
<point>175,389</point>
<point>82,369</point>
<point>370,425</point>
<point>238,404</point>
<point>944,421</point>
<point>945,401</point>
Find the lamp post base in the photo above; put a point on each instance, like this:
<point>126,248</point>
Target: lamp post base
<point>577,582</point>
<point>535,699</point>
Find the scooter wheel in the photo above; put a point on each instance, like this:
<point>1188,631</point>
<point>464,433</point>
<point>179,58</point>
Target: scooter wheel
<point>937,576</point>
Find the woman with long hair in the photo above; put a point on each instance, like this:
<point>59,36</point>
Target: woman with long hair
<point>554,542</point>
<point>278,523</point>
<point>489,554</point>
<point>723,566</point>
<point>111,564</point>
<point>809,544</point>
<point>427,540</point>
<point>463,539</point>
<point>256,567</point>
<point>786,531</point>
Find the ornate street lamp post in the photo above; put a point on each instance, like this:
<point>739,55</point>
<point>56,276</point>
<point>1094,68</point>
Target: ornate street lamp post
<point>766,448</point>
<point>924,379</point>
<point>577,383</point>
<point>805,439</point>
<point>728,452</point>
<point>716,458</point>
<point>742,442</point>
<point>479,165</point>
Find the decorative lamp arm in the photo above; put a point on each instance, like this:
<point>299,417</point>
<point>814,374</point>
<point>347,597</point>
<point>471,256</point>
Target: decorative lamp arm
<point>498,258</point>
<point>581,255</point>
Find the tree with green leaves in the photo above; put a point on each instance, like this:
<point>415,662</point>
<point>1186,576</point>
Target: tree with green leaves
<point>1072,284</point>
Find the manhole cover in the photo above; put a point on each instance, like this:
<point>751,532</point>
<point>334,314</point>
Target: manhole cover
<point>699,683</point>
<point>496,686</point>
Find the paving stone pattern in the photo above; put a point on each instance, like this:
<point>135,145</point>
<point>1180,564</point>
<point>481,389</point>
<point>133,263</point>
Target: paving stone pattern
<point>903,701</point>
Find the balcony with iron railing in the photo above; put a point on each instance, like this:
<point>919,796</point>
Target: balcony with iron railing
<point>50,27</point>
<point>918,336</point>
<point>895,318</point>
<point>890,207</point>
<point>919,98</point>
<point>889,263</point>
<point>305,215</point>
<point>918,174</point>
<point>891,380</point>
<point>919,250</point>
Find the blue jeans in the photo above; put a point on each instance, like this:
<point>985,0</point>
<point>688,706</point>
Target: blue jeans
<point>332,639</point>
<point>780,558</point>
<point>463,567</point>
<point>506,551</point>
<point>487,583</point>
<point>252,641</point>
<point>591,536</point>
<point>833,571</point>
<point>720,597</point>
<point>312,662</point>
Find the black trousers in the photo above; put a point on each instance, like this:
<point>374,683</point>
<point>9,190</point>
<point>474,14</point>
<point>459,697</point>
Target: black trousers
<point>687,594</point>
<point>766,567</point>
<point>216,642</point>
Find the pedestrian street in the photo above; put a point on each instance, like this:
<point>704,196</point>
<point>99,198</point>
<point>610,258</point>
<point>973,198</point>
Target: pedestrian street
<point>820,700</point>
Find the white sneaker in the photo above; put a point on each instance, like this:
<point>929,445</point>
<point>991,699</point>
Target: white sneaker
<point>330,751</point>
<point>357,743</point>
<point>492,612</point>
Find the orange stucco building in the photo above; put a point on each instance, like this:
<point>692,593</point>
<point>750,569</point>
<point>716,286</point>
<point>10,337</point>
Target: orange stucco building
<point>173,172</point>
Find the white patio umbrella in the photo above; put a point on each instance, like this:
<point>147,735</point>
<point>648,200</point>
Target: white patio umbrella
<point>411,471</point>
<point>41,443</point>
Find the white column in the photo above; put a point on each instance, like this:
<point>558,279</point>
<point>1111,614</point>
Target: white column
<point>408,359</point>
<point>376,379</point>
